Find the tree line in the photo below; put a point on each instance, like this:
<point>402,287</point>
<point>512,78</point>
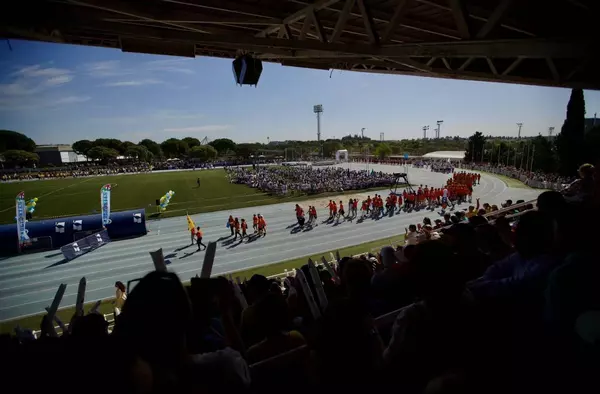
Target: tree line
<point>562,154</point>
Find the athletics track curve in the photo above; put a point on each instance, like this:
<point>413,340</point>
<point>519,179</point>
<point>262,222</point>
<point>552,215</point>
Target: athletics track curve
<point>28,283</point>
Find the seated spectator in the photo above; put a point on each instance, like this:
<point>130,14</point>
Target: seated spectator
<point>435,335</point>
<point>257,287</point>
<point>522,272</point>
<point>347,348</point>
<point>411,235</point>
<point>394,284</point>
<point>274,322</point>
<point>584,186</point>
<point>551,203</point>
<point>356,280</point>
<point>491,243</point>
<point>463,239</point>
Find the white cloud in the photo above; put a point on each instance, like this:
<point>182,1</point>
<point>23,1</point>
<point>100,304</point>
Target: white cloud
<point>33,80</point>
<point>16,89</point>
<point>38,71</point>
<point>58,80</point>
<point>107,68</point>
<point>70,100</point>
<point>139,82</point>
<point>170,65</point>
<point>199,129</point>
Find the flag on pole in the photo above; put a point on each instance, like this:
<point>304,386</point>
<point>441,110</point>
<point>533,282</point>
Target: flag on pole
<point>105,204</point>
<point>21,219</point>
<point>190,222</point>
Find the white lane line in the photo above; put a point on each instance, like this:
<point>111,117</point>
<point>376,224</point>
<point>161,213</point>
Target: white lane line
<point>71,272</point>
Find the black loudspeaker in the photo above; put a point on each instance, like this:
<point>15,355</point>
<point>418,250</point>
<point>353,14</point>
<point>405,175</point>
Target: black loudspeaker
<point>247,70</point>
<point>157,202</point>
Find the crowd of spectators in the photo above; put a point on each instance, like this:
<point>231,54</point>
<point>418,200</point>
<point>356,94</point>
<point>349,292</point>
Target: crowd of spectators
<point>509,306</point>
<point>488,307</point>
<point>532,178</point>
<point>121,167</point>
<point>281,180</point>
<point>73,171</point>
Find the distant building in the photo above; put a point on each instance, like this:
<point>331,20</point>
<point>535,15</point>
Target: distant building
<point>57,154</point>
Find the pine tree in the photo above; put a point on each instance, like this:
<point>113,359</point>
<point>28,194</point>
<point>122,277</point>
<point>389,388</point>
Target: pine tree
<point>570,145</point>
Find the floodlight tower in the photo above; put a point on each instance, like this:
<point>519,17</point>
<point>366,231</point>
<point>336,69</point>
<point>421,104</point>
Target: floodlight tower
<point>439,129</point>
<point>318,109</point>
<point>425,128</point>
<point>520,125</point>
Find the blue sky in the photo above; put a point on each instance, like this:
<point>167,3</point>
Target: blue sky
<point>62,93</point>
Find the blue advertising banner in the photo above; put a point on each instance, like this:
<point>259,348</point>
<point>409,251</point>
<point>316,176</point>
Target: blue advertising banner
<point>21,219</point>
<point>85,245</point>
<point>105,204</point>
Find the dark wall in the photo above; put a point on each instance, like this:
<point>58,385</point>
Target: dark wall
<point>63,231</point>
<point>49,157</point>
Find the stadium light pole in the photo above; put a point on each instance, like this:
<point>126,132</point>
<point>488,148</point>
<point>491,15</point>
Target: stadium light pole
<point>439,129</point>
<point>425,128</point>
<point>519,125</point>
<point>318,109</point>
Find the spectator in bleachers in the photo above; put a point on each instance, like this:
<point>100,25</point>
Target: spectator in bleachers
<point>463,240</point>
<point>274,324</point>
<point>257,287</point>
<point>523,272</point>
<point>437,334</point>
<point>347,349</point>
<point>120,297</point>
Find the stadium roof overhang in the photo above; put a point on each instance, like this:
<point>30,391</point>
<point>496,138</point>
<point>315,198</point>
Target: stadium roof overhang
<point>549,43</point>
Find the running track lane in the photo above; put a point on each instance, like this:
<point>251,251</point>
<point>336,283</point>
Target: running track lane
<point>28,283</point>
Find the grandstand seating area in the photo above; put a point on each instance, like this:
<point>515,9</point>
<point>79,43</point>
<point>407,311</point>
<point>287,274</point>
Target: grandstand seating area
<point>504,302</point>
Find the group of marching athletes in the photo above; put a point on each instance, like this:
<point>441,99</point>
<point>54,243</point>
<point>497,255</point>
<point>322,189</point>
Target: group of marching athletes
<point>458,189</point>
<point>240,227</point>
<point>301,217</point>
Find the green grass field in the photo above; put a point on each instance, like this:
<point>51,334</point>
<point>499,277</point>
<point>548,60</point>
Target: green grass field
<point>33,322</point>
<point>75,196</point>
<point>81,196</point>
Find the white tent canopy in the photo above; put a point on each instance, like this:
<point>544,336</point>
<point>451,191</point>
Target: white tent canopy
<point>339,153</point>
<point>446,154</point>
